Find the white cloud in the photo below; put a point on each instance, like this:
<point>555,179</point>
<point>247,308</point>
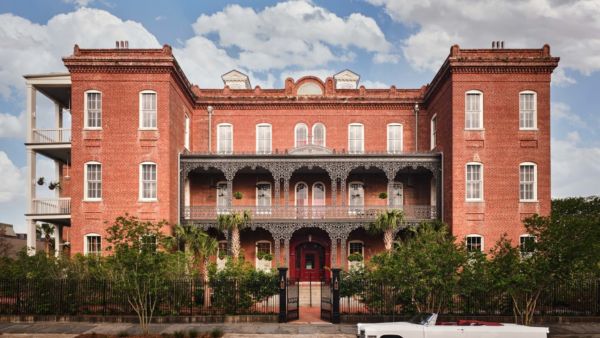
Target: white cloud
<point>12,126</point>
<point>321,73</point>
<point>562,113</point>
<point>575,167</point>
<point>570,27</point>
<point>293,33</point>
<point>12,180</point>
<point>386,58</point>
<point>561,79</point>
<point>374,84</point>
<point>79,3</point>
<point>29,48</point>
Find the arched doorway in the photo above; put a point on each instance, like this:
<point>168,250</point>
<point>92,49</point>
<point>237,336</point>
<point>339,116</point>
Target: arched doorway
<point>310,255</point>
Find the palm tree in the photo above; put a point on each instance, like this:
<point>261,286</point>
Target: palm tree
<point>386,222</point>
<point>47,230</point>
<point>207,247</point>
<point>191,236</point>
<point>234,222</point>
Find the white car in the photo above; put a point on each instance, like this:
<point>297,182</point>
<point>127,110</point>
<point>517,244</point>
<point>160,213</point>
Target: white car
<point>426,326</point>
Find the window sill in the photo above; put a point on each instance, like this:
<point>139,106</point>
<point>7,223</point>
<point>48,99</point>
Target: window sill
<point>92,200</point>
<point>528,201</point>
<point>474,129</point>
<point>474,201</point>
<point>528,129</point>
<point>92,128</point>
<point>147,129</point>
<point>147,200</point>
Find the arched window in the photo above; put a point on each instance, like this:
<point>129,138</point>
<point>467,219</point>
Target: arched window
<point>473,109</point>
<point>301,194</point>
<point>186,136</point>
<point>300,135</point>
<point>92,112</point>
<point>318,134</point>
<point>527,110</point>
<point>263,138</point>
<point>474,243</point>
<point>433,128</point>
<point>92,244</point>
<point>148,104</point>
<point>528,182</point>
<point>318,199</point>
<point>224,138</point>
<point>92,187</point>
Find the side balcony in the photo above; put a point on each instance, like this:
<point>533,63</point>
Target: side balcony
<point>52,210</point>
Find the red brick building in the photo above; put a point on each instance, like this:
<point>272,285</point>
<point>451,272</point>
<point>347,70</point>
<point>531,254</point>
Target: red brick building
<point>314,162</point>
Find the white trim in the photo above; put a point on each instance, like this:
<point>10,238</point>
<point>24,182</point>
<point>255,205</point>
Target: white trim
<point>535,127</point>
<point>186,131</point>
<point>263,241</point>
<point>432,135</point>
<point>219,138</point>
<point>362,143</point>
<point>312,197</point>
<point>141,183</point>
<point>85,182</point>
<point>270,150</point>
<point>296,194</point>
<point>217,194</point>
<point>362,248</point>
<point>480,199</point>
<point>521,244</point>
<point>85,109</point>
<point>221,262</point>
<point>141,118</point>
<point>535,182</point>
<point>261,264</point>
<point>481,126</point>
<point>474,236</point>
<point>267,208</point>
<point>391,195</point>
<point>324,133</point>
<point>363,193</point>
<point>301,124</point>
<point>388,137</point>
<point>85,242</point>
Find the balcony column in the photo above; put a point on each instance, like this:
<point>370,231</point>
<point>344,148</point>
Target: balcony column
<point>286,191</point>
<point>333,191</point>
<point>229,175</point>
<point>30,113</point>
<point>277,189</point>
<point>438,194</point>
<point>343,253</point>
<point>57,239</point>
<point>31,187</point>
<point>334,263</point>
<point>277,249</point>
<point>390,173</point>
<point>286,253</point>
<point>183,213</point>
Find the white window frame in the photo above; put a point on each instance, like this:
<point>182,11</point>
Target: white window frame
<point>362,140</point>
<point>390,151</point>
<point>299,125</point>
<point>352,209</point>
<point>264,209</point>
<point>318,211</point>
<point>534,127</point>
<point>352,265</point>
<point>85,109</point>
<point>480,127</point>
<point>391,196</point>
<point>219,150</point>
<point>296,194</point>
<point>186,126</point>
<point>525,254</point>
<point>141,111</point>
<point>324,134</point>
<point>141,183</point>
<point>535,182</point>
<point>85,182</point>
<point>270,150</point>
<point>475,236</point>
<point>433,128</point>
<point>261,264</point>
<point>85,244</point>
<point>479,199</point>
<point>221,209</point>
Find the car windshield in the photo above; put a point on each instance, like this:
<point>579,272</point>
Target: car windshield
<point>420,318</point>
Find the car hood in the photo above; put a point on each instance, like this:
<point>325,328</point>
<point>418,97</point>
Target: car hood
<point>385,326</point>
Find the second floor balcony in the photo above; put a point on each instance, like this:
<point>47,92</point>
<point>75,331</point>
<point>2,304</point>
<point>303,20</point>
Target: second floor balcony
<point>52,136</point>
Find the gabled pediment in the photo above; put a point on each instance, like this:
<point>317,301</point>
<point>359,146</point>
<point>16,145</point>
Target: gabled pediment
<point>235,79</point>
<point>346,79</point>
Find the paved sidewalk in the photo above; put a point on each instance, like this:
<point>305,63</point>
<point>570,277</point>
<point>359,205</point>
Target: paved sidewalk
<point>239,330</point>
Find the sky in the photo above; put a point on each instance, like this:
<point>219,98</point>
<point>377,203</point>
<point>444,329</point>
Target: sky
<point>388,42</point>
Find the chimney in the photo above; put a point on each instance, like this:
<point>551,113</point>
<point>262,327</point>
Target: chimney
<point>502,44</point>
<point>493,44</point>
<point>122,44</point>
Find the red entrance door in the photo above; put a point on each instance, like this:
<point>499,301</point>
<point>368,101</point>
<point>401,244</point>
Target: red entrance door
<point>310,265</point>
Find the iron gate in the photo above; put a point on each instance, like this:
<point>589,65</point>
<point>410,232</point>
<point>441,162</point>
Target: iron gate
<point>326,298</point>
<point>293,298</point>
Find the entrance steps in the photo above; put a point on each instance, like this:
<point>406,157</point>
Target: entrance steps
<point>309,294</point>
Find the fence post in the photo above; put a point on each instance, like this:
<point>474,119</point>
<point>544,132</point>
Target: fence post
<point>105,281</point>
<point>335,296</point>
<point>598,297</point>
<point>282,295</point>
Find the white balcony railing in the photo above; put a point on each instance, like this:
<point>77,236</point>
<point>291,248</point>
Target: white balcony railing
<point>52,135</point>
<point>411,212</point>
<point>52,206</point>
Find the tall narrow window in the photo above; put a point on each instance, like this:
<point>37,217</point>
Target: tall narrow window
<point>225,138</point>
<point>263,198</point>
<point>263,250</point>
<point>263,138</point>
<point>148,110</point>
<point>356,138</point>
<point>356,197</point>
<point>93,181</point>
<point>397,195</point>
<point>300,135</point>
<point>186,136</point>
<point>318,199</point>
<point>93,109</point>
<point>318,134</point>
<point>433,132</point>
<point>528,182</point>
<point>93,244</point>
<point>148,186</point>
<point>474,180</point>
<point>474,110</point>
<point>527,245</point>
<point>474,243</point>
<point>527,110</point>
<point>356,254</point>
<point>222,197</point>
<point>394,138</point>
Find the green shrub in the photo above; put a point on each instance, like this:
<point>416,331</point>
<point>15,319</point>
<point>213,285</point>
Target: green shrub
<point>216,333</point>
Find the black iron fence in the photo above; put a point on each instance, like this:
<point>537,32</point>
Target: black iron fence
<point>576,298</point>
<point>101,297</point>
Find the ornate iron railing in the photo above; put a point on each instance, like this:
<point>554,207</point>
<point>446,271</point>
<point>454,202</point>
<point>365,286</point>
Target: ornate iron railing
<point>411,212</point>
<point>52,135</point>
<point>52,206</point>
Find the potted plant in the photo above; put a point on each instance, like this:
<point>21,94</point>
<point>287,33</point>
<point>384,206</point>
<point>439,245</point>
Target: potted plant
<point>355,257</point>
<point>264,256</point>
<point>54,185</point>
<point>238,195</point>
<point>222,255</point>
<point>383,195</point>
<point>41,180</point>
